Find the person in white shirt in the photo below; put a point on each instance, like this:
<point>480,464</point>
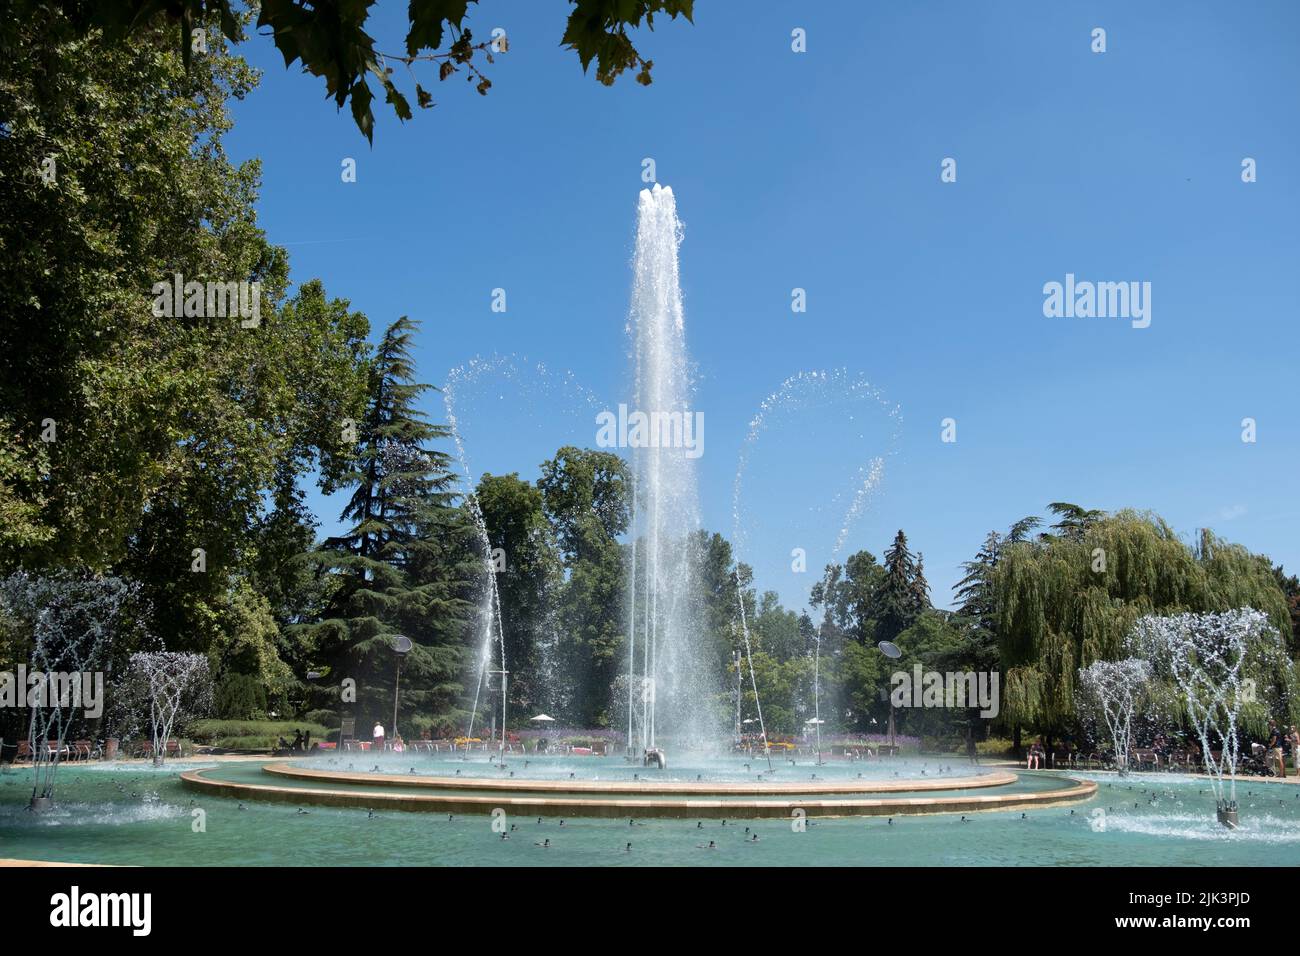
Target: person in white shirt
<point>379,737</point>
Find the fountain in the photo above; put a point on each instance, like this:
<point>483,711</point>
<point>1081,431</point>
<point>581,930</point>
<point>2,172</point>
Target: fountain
<point>492,387</point>
<point>1114,689</point>
<point>173,683</point>
<point>1207,656</point>
<point>489,610</point>
<point>73,619</point>
<point>669,684</point>
<point>673,694</point>
<point>817,390</point>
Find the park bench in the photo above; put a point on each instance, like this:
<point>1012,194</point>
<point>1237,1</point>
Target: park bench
<point>54,750</point>
<point>1145,759</point>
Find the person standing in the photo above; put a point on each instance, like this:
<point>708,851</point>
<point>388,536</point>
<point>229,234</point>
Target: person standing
<point>1273,749</point>
<point>378,736</point>
<point>1294,737</point>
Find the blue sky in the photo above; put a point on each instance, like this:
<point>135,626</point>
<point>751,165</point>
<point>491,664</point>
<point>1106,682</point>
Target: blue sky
<point>821,170</point>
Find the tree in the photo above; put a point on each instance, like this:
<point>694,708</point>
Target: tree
<point>1075,521</point>
<point>718,596</point>
<point>527,579</point>
<point>1067,600</point>
<point>162,448</point>
<point>903,594</point>
<point>1291,589</point>
<point>850,595</point>
<point>587,499</point>
<point>110,393</point>
<point>330,40</point>
<point>978,615</point>
<point>404,564</point>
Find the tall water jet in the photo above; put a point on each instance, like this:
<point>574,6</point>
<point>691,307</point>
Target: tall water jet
<point>489,610</point>
<point>855,400</point>
<point>671,683</point>
<point>538,401</point>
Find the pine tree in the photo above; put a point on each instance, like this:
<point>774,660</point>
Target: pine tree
<point>403,566</point>
<point>903,595</point>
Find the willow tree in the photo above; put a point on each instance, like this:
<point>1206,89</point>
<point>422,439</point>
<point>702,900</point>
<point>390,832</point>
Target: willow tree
<point>1067,600</point>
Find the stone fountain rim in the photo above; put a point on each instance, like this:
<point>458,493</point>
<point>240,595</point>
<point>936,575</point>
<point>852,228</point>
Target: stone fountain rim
<point>1077,790</point>
<point>996,778</point>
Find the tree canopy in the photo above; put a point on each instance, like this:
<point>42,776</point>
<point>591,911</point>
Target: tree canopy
<point>330,41</point>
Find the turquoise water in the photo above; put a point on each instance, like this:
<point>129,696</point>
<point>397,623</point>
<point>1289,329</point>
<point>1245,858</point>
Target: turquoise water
<point>252,773</point>
<point>134,814</point>
<point>682,768</point>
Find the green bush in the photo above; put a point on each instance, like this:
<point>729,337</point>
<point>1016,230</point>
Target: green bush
<point>251,734</point>
<point>239,697</point>
<point>995,747</point>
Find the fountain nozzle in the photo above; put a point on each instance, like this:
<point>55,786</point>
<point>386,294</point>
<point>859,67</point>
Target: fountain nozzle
<point>1226,812</point>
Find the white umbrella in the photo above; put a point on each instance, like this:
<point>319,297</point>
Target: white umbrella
<point>543,717</point>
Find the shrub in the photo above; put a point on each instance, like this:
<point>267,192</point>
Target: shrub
<point>324,717</point>
<point>251,734</point>
<point>239,697</point>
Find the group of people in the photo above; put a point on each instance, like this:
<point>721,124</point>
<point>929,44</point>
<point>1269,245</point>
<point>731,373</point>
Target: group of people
<point>1282,743</point>
<point>300,742</point>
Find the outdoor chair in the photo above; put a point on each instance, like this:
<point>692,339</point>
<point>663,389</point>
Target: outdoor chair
<point>54,750</point>
<point>1146,759</point>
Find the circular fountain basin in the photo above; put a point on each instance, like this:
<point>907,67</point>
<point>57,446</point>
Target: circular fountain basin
<point>131,813</point>
<point>627,795</point>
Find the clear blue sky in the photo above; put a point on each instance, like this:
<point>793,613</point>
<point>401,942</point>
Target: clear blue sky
<point>821,170</point>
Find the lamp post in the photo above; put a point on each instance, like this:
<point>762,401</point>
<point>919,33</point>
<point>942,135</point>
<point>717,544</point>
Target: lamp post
<point>401,647</point>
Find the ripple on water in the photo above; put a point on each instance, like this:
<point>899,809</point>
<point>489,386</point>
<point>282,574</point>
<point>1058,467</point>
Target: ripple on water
<point>1203,826</point>
<point>93,814</point>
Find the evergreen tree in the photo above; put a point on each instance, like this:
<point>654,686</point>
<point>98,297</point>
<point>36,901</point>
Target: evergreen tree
<point>403,566</point>
<point>903,593</point>
<point>978,614</point>
<point>1075,521</point>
